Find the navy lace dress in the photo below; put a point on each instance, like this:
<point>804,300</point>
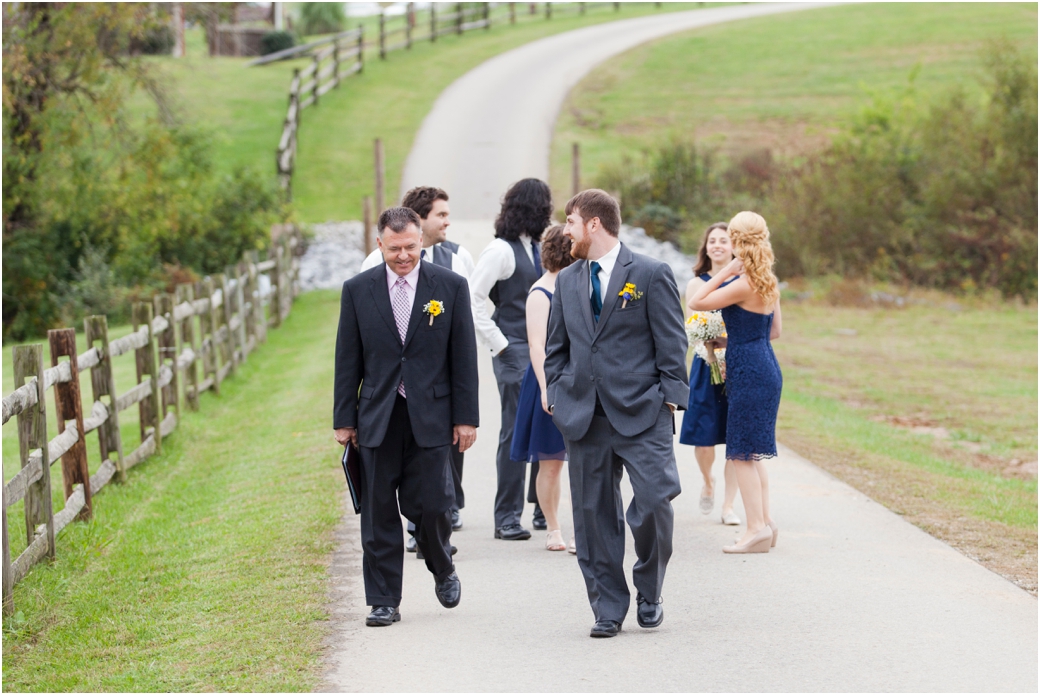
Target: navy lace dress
<point>753,384</point>
<point>704,422</point>
<point>535,437</point>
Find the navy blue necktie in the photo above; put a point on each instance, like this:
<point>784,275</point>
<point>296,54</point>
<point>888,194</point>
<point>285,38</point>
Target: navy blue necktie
<point>537,257</point>
<point>597,301</point>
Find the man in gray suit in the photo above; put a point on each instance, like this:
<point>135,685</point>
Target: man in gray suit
<point>615,371</point>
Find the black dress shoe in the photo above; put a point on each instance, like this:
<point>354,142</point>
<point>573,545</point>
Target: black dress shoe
<point>456,520</point>
<point>449,590</point>
<point>409,545</point>
<point>539,519</point>
<point>420,556</point>
<point>605,628</point>
<point>513,532</point>
<point>648,614</point>
<point>381,616</point>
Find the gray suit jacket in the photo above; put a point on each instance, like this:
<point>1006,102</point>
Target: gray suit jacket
<point>633,358</point>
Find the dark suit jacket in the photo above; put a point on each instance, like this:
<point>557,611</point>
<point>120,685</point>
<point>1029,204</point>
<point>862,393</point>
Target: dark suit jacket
<point>633,358</point>
<point>438,362</point>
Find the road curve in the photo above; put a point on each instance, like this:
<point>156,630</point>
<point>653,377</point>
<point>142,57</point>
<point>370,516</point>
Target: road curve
<point>494,125</point>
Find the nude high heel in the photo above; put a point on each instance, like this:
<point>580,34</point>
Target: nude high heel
<point>776,533</point>
<point>759,543</point>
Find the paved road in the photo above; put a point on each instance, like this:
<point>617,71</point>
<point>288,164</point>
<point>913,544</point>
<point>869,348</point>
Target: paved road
<point>852,598</point>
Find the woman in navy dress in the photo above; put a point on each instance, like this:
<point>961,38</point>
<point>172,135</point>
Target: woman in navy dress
<point>535,437</point>
<point>751,309</point>
<point>704,422</point>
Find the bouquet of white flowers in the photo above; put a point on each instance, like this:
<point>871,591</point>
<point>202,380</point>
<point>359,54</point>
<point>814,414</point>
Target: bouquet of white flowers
<point>708,325</point>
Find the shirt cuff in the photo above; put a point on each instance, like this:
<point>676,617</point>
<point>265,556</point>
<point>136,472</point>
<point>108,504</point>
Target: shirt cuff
<point>498,343</point>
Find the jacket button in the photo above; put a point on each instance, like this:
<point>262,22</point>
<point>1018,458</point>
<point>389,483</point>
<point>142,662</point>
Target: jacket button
<point>404,359</point>
<point>592,378</point>
<point>595,349</point>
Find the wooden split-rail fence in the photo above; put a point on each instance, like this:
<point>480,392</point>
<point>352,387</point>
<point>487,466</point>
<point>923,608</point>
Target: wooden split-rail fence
<point>337,57</point>
<point>183,345</point>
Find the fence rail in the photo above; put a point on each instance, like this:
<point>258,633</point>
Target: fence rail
<point>344,54</point>
<point>209,327</point>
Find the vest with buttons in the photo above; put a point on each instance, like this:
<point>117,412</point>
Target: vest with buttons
<point>510,296</point>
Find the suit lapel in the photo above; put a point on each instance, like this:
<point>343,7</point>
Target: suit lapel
<point>423,295</point>
<point>617,281</point>
<point>381,295</point>
<point>586,305</point>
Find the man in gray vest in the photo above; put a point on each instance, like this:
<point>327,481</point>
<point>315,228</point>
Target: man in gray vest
<point>431,204</point>
<point>615,371</point>
<point>504,273</point>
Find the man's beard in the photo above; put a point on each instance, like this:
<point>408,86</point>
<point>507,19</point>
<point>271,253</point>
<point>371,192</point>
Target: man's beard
<point>580,249</point>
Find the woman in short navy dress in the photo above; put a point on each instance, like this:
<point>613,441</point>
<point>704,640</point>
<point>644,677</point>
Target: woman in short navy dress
<point>750,307</point>
<point>704,422</point>
<point>535,437</point>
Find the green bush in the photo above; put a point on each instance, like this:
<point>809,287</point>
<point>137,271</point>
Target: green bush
<point>322,17</point>
<point>274,41</point>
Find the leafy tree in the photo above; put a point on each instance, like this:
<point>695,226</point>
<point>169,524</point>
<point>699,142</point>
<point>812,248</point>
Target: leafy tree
<point>322,17</point>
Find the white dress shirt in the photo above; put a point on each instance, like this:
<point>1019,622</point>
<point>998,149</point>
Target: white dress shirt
<point>607,263</point>
<point>461,262</point>
<point>411,283</point>
<point>496,262</point>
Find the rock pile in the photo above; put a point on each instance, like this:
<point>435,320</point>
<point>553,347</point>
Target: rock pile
<point>336,251</point>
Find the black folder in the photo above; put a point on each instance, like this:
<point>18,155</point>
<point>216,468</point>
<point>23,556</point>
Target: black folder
<point>352,470</point>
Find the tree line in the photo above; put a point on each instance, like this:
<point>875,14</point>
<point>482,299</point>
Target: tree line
<point>102,206</point>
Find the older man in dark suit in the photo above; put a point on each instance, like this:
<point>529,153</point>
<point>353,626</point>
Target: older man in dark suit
<point>405,391</point>
<point>615,367</point>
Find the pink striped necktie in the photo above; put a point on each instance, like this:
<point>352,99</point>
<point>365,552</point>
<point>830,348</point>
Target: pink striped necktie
<point>401,315</point>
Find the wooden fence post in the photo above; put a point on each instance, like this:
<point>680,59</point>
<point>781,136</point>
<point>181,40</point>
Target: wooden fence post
<point>32,434</point>
<point>581,8</point>
<point>103,383</point>
<point>186,293</point>
<point>409,24</point>
<point>617,6</point>
<point>458,18</point>
<point>380,177</point>
<point>68,405</point>
<point>211,327</point>
<point>8,576</point>
<point>168,348</point>
<point>317,72</point>
<point>229,336</point>
<point>149,409</point>
<point>433,22</point>
<point>575,169</point>
<point>241,311</point>
<point>382,35</point>
<point>487,16</point>
<point>275,302</point>
<point>259,320</point>
<point>548,10</point>
<point>361,48</point>
<point>512,13</point>
<point>366,205</point>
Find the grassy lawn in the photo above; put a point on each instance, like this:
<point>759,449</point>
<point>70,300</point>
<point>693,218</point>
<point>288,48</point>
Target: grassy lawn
<point>207,570</point>
<point>244,107</point>
<point>927,409</point>
<point>777,82</point>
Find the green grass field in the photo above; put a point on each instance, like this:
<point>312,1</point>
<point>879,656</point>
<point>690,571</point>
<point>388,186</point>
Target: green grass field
<point>231,527</point>
<point>781,82</point>
<point>245,107</point>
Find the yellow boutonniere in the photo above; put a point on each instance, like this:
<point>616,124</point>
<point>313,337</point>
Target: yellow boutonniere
<point>433,308</point>
<point>629,293</point>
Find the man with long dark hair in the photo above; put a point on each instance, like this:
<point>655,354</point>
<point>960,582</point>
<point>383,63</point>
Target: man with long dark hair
<point>504,274</point>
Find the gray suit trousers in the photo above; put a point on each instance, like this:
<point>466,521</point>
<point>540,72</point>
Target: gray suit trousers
<point>510,366</point>
<point>595,468</point>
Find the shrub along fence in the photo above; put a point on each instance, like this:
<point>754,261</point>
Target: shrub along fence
<point>183,344</point>
<point>337,57</point>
